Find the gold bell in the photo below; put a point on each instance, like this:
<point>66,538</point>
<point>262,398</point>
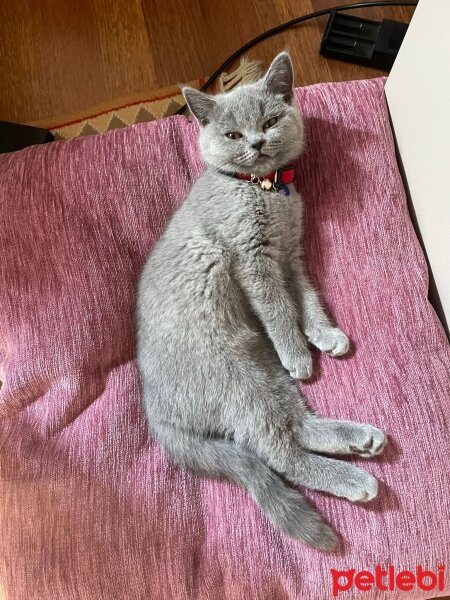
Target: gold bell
<point>266,184</point>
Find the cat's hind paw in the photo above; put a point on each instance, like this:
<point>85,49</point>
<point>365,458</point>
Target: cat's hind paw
<point>367,441</point>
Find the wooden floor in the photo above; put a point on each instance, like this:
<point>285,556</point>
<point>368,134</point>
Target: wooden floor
<point>60,56</point>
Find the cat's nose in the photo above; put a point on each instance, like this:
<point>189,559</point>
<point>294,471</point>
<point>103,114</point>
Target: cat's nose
<point>258,145</point>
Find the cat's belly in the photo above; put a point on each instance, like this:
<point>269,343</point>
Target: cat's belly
<point>197,338</point>
<point>196,312</point>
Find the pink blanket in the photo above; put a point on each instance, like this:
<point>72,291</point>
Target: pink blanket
<point>90,508</point>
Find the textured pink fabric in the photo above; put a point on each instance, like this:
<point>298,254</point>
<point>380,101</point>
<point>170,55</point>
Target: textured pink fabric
<point>90,508</point>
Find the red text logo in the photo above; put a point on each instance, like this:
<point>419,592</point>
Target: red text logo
<point>388,579</point>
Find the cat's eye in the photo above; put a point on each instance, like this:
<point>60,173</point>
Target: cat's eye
<point>234,135</point>
<point>270,123</point>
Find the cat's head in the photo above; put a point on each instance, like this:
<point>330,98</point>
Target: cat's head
<point>255,128</point>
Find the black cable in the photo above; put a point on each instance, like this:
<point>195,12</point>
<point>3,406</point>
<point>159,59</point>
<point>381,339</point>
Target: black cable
<point>286,25</point>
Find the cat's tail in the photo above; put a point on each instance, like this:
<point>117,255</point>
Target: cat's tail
<point>219,458</point>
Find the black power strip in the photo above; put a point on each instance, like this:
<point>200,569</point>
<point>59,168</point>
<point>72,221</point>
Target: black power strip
<point>371,43</point>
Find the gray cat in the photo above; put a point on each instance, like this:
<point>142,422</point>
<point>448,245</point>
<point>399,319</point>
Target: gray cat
<point>225,313</point>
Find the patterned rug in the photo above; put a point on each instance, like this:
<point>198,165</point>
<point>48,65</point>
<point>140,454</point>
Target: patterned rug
<point>142,107</point>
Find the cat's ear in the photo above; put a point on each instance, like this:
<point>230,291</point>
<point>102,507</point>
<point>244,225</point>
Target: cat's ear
<point>201,105</point>
<point>279,78</point>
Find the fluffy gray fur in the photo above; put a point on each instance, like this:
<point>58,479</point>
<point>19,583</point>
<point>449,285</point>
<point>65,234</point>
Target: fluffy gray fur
<point>224,316</point>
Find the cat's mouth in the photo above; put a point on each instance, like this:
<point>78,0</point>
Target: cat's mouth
<point>263,160</point>
<point>259,165</point>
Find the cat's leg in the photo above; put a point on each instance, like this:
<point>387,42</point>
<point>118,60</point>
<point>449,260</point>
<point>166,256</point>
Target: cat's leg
<point>334,477</point>
<point>337,477</point>
<point>272,431</point>
<point>316,325</point>
<point>263,281</point>
<point>319,434</point>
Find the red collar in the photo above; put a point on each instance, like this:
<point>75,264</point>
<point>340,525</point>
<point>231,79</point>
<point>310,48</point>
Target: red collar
<point>277,180</point>
<point>285,176</point>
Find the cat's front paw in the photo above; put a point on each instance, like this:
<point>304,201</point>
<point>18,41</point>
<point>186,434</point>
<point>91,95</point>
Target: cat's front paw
<point>301,367</point>
<point>332,340</point>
